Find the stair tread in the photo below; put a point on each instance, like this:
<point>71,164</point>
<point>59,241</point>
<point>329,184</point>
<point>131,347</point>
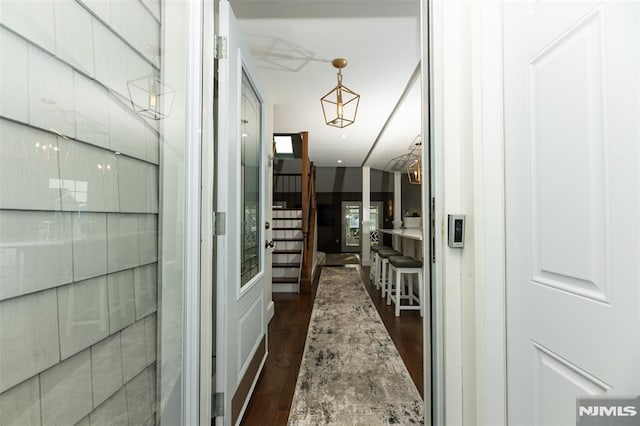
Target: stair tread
<point>287,251</point>
<point>286,265</point>
<point>285,280</point>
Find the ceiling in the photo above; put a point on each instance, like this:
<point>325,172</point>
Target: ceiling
<point>293,43</point>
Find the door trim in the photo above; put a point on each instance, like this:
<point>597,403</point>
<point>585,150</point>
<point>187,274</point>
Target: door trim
<point>468,37</point>
<point>435,25</point>
<point>193,121</point>
<point>489,211</point>
<point>207,254</point>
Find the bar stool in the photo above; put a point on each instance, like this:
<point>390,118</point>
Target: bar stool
<point>382,260</point>
<point>399,266</point>
<point>374,252</point>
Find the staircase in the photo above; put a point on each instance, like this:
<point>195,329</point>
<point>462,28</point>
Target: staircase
<point>294,229</point>
<point>288,251</point>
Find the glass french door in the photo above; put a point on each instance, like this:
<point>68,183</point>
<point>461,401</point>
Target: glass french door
<point>351,229</point>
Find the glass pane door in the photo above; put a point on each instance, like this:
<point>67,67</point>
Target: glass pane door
<point>250,181</point>
<point>352,226</point>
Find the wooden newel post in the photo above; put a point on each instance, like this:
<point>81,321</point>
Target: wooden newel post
<point>305,279</point>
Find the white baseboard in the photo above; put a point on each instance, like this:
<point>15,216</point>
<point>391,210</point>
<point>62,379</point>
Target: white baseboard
<point>270,311</point>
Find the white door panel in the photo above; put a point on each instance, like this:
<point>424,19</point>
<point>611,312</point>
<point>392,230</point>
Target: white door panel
<point>241,252</point>
<point>572,211</point>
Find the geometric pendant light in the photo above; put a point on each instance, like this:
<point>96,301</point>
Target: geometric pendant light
<point>414,169</point>
<point>340,105</point>
<point>151,97</point>
<point>414,172</point>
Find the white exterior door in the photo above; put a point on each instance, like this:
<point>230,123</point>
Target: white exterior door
<point>572,139</point>
<point>241,253</point>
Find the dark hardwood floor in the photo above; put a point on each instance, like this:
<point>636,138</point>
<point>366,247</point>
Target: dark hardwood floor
<point>271,399</point>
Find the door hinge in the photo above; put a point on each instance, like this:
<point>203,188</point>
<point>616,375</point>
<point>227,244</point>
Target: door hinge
<point>217,404</point>
<point>219,223</point>
<point>220,48</point>
<point>433,230</point>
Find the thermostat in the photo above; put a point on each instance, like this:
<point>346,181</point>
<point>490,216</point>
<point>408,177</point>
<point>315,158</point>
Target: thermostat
<point>456,230</point>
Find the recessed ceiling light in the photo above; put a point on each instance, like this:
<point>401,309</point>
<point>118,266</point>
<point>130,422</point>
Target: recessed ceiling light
<point>343,136</point>
<point>339,161</point>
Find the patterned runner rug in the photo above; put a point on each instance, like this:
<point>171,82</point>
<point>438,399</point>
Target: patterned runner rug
<point>351,372</point>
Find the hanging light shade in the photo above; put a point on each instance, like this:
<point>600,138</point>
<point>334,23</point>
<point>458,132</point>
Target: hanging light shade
<point>340,105</point>
<point>151,97</point>
<point>414,169</point>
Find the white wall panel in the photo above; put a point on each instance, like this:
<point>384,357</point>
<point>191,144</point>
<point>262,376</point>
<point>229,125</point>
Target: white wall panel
<point>126,129</point>
<point>51,104</point>
<point>138,26</point>
<point>138,399</point>
<point>89,245</point>
<point>122,242</point>
<point>133,350</point>
<point>35,251</point>
<point>153,186</point>
<point>14,82</point>
<point>71,284</point>
<point>28,168</point>
<point>121,300</point>
<point>20,405</point>
<point>154,7</point>
<point>148,225</point>
<point>138,186</point>
<point>89,177</point>
<point>101,8</point>
<point>153,145</point>
<point>72,19</point>
<point>84,422</point>
<point>29,336</point>
<point>146,289</point>
<point>151,371</point>
<point>112,412</point>
<point>66,390</point>
<point>92,116</point>
<point>150,336</point>
<point>82,309</point>
<point>33,19</point>
<point>116,63</point>
<point>106,368</point>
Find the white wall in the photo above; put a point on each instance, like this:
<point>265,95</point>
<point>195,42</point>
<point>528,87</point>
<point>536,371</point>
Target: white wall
<point>78,213</point>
